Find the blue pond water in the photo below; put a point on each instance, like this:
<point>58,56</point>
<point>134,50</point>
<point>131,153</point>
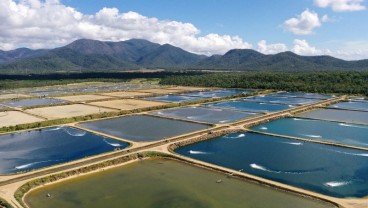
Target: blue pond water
<point>207,115</point>
<point>142,128</point>
<point>361,99</point>
<point>174,98</point>
<point>249,106</point>
<point>217,93</point>
<point>325,169</point>
<point>45,147</point>
<point>350,134</point>
<point>338,115</point>
<point>363,106</point>
<point>32,102</point>
<point>282,100</point>
<point>302,95</point>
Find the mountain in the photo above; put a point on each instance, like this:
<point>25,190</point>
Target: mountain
<point>94,55</point>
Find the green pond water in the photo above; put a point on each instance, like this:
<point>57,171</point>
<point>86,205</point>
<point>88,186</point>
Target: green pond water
<point>163,183</point>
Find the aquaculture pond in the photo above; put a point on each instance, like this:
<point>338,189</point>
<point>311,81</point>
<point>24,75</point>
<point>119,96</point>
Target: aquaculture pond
<point>302,95</point>
<point>249,106</point>
<point>32,102</point>
<point>338,115</point>
<point>218,93</point>
<point>141,128</point>
<point>360,99</point>
<point>343,133</point>
<point>35,149</point>
<point>174,98</point>
<point>330,170</point>
<point>207,115</point>
<point>282,100</point>
<point>162,183</point>
<point>362,106</point>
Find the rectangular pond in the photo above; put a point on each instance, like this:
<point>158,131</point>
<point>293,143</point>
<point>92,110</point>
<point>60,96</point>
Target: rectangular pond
<point>342,133</point>
<point>329,170</point>
<point>338,115</point>
<point>360,99</point>
<point>249,106</point>
<point>141,128</point>
<point>282,100</point>
<point>361,106</point>
<point>174,98</point>
<point>162,183</point>
<point>32,102</point>
<point>207,115</point>
<point>35,149</point>
<point>302,95</point>
<point>218,93</point>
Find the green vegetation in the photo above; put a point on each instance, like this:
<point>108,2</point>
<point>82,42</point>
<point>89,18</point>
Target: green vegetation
<point>4,204</point>
<point>319,82</point>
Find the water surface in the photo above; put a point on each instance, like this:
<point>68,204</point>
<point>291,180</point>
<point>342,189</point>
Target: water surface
<point>302,95</point>
<point>363,106</point>
<point>35,149</point>
<point>206,115</point>
<point>338,115</point>
<point>218,93</point>
<point>32,102</point>
<point>329,170</point>
<point>282,100</point>
<point>174,98</point>
<point>350,134</point>
<point>249,106</point>
<point>162,183</point>
<point>140,128</point>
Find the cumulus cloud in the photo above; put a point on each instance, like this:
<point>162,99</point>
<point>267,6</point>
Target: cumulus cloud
<point>303,24</point>
<point>302,47</point>
<point>49,23</point>
<point>341,5</point>
<point>271,48</point>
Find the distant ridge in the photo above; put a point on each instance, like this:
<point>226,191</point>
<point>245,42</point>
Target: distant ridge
<point>94,55</point>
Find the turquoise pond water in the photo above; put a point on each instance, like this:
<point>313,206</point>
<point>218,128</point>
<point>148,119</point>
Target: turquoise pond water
<point>32,102</point>
<point>218,93</point>
<point>330,170</point>
<point>35,149</point>
<point>140,128</point>
<point>360,99</point>
<point>282,100</point>
<point>350,134</point>
<point>174,98</point>
<point>207,115</point>
<point>249,106</point>
<point>338,115</point>
<point>302,95</point>
<point>363,106</point>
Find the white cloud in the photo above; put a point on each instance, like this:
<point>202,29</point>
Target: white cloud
<point>271,48</point>
<point>303,24</point>
<point>49,23</point>
<point>341,5</point>
<point>302,47</point>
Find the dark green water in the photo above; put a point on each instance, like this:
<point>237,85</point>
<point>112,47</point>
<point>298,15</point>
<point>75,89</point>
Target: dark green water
<point>142,128</point>
<point>329,170</point>
<point>162,183</point>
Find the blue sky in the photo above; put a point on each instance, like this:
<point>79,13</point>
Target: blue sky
<point>307,27</point>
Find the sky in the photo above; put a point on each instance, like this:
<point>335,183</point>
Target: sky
<point>307,27</point>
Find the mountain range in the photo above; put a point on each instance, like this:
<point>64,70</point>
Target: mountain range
<point>93,55</point>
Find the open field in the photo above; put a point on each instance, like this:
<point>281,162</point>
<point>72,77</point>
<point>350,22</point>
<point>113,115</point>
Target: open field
<point>82,98</point>
<point>67,111</point>
<point>126,94</point>
<point>127,104</point>
<point>12,118</point>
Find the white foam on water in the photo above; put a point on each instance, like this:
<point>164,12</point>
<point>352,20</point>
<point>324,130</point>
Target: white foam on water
<point>297,119</point>
<point>337,183</point>
<point>262,103</point>
<point>54,129</point>
<point>291,106</point>
<point>224,121</point>
<point>235,137</point>
<point>260,167</point>
<point>77,133</point>
<point>112,144</point>
<point>312,136</point>
<point>263,128</point>
<point>19,167</point>
<point>354,126</point>
<point>294,143</point>
<point>347,153</point>
<point>193,152</point>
